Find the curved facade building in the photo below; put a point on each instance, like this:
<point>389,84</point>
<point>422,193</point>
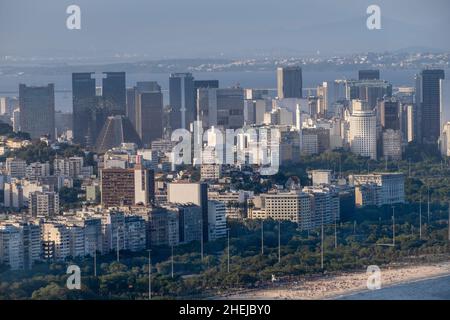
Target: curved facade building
<point>363,131</point>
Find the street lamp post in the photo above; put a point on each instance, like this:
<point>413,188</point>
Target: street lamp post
<point>228,250</point>
<point>172,261</point>
<point>262,237</point>
<point>149,274</point>
<point>279,241</point>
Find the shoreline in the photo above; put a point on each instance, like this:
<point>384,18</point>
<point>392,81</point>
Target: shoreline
<point>343,285</point>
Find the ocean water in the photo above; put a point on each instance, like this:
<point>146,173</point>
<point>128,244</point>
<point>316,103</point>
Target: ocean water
<point>255,79</point>
<point>437,288</point>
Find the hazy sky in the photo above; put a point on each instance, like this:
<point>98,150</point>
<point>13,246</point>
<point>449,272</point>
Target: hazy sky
<point>210,28</point>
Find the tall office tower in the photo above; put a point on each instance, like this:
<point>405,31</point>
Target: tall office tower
<point>290,82</point>
<point>369,75</point>
<point>182,101</point>
<point>37,110</point>
<point>445,103</point>
<point>149,115</point>
<point>131,105</point>
<point>191,193</point>
<point>428,96</point>
<point>445,140</point>
<point>202,84</point>
<point>369,90</point>
<point>132,93</point>
<point>126,187</point>
<point>148,86</point>
<point>390,114</point>
<point>16,120</point>
<point>206,84</point>
<point>117,130</point>
<point>363,130</point>
<point>222,108</point>
<point>3,106</point>
<point>114,92</point>
<point>84,101</point>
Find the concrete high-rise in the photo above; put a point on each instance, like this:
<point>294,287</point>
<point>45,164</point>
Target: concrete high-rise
<point>127,187</point>
<point>191,193</point>
<point>222,108</point>
<point>363,130</point>
<point>182,101</point>
<point>390,114</point>
<point>371,91</point>
<point>289,82</point>
<point>37,110</point>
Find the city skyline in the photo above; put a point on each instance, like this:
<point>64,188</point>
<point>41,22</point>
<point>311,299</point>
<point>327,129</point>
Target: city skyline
<point>224,150</point>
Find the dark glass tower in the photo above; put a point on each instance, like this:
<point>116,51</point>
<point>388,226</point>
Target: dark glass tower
<point>182,102</point>
<point>149,115</point>
<point>290,82</point>
<point>428,96</point>
<point>390,114</point>
<point>84,102</point>
<point>37,110</point>
<point>114,92</point>
<point>369,74</point>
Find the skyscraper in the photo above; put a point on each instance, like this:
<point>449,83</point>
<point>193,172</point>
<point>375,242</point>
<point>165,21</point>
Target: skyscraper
<point>369,74</point>
<point>290,82</point>
<point>182,101</point>
<point>84,101</point>
<point>363,130</point>
<point>368,90</point>
<point>428,96</point>
<point>132,93</point>
<point>206,84</point>
<point>126,187</point>
<point>114,92</point>
<point>37,110</point>
<point>390,114</point>
<point>222,108</point>
<point>149,114</point>
<point>131,105</point>
<point>191,193</point>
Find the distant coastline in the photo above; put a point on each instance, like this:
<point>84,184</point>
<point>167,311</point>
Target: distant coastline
<point>352,286</point>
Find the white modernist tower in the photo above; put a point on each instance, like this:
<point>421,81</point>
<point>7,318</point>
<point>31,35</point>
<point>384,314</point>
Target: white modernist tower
<point>363,131</point>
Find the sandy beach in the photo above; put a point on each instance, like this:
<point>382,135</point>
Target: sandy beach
<point>337,286</point>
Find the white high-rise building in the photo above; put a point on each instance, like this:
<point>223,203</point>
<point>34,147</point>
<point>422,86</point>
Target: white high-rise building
<point>13,194</point>
<point>11,247</point>
<point>363,130</point>
<point>445,140</point>
<point>43,203</point>
<point>56,241</point>
<point>216,220</point>
<point>3,106</point>
<point>37,169</point>
<point>390,187</point>
<point>15,167</point>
